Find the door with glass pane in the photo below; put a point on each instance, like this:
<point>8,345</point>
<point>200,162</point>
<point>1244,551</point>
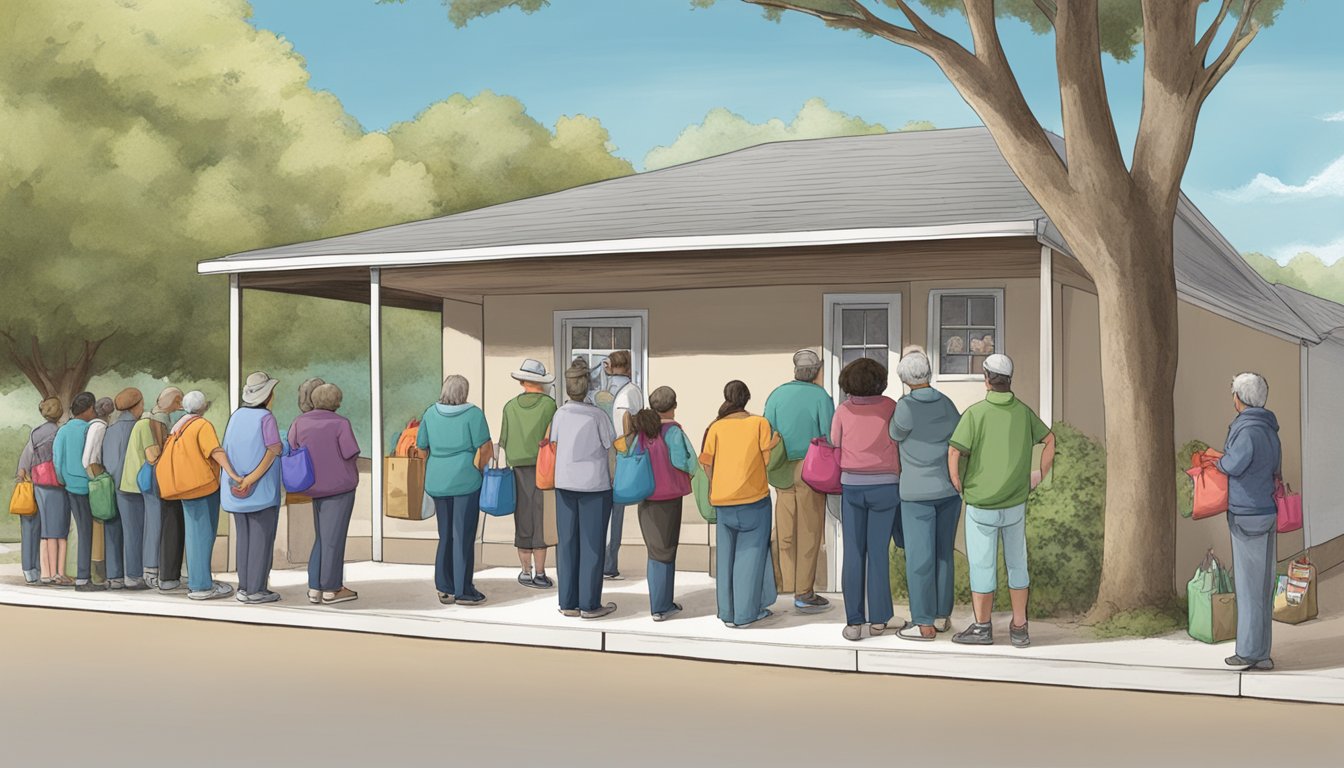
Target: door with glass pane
<point>594,339</point>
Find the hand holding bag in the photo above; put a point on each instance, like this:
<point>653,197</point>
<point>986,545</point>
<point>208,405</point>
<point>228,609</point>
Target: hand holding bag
<point>1210,484</point>
<point>634,480</point>
<point>498,497</point>
<point>1289,506</point>
<point>23,501</point>
<point>821,467</point>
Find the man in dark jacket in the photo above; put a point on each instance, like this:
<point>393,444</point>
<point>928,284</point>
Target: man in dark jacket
<point>1252,461</point>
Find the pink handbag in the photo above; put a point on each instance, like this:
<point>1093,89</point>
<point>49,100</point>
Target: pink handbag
<point>821,467</point>
<point>1289,506</point>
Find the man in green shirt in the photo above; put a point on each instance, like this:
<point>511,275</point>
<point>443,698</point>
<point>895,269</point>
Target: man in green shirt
<point>527,418</point>
<point>997,436</point>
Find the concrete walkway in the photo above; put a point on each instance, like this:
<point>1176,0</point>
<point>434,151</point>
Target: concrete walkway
<point>400,600</point>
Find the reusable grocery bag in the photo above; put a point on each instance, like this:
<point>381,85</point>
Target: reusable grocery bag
<point>821,467</point>
<point>1210,484</point>
<point>103,497</point>
<point>779,472</point>
<point>296,469</point>
<point>1289,506</point>
<point>23,501</point>
<point>144,479</point>
<point>634,480</point>
<point>700,487</point>
<point>1295,593</point>
<point>1212,603</point>
<point>546,466</point>
<point>404,488</point>
<point>498,496</point>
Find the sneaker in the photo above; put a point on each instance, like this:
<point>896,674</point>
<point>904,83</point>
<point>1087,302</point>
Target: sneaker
<point>916,632</point>
<point>116,584</point>
<point>942,624</point>
<point>525,578</point>
<point>853,632</point>
<point>975,634</point>
<point>613,576</point>
<point>240,596</point>
<point>89,586</point>
<point>475,599</point>
<point>171,585</point>
<point>265,596</point>
<point>315,596</point>
<point>542,581</point>
<point>342,595</point>
<point>572,613</point>
<point>214,593</point>
<point>811,603</point>
<point>600,612</point>
<point>1018,636</point>
<point>136,585</point>
<point>1236,661</point>
<point>1263,665</point>
<point>151,578</point>
<point>665,615</point>
<point>446,598</point>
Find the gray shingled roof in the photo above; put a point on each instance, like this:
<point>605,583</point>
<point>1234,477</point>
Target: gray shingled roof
<point>914,179</point>
<point>1323,315</point>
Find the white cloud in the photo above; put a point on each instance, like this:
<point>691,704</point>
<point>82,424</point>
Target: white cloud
<point>1327,252</point>
<point>1338,117</point>
<point>1327,183</point>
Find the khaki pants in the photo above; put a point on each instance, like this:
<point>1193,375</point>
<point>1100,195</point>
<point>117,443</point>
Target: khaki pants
<point>800,524</point>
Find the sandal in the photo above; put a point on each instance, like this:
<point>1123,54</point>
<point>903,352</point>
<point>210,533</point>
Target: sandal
<point>63,581</point>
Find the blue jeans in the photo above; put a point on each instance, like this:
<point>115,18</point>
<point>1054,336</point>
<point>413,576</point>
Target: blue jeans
<point>30,530</point>
<point>581,519</point>
<point>113,542</point>
<point>131,512</point>
<point>868,517</point>
<point>1254,556</point>
<point>200,518</point>
<point>331,523</point>
<point>153,529</point>
<point>984,528</point>
<point>455,563</point>
<point>744,566</point>
<point>930,532</point>
<point>610,564</point>
<point>82,514</point>
<point>662,584</point>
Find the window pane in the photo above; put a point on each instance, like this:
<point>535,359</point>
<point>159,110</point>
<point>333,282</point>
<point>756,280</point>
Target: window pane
<point>982,311</point>
<point>981,343</point>
<point>954,364</point>
<point>875,326</point>
<point>602,338</point>
<point>955,343</point>
<point>877,353</point>
<point>578,337</point>
<point>850,355</point>
<point>953,310</point>
<point>622,339</point>
<point>851,327</point>
<point>977,365</point>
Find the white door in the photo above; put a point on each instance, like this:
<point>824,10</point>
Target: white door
<point>1323,451</point>
<point>594,336</point>
<point>857,326</point>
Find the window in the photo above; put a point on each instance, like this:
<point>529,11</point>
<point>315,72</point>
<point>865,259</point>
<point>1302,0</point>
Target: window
<point>594,336</point>
<point>966,327</point>
<point>861,325</point>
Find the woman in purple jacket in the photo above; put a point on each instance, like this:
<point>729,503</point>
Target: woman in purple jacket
<point>333,450</point>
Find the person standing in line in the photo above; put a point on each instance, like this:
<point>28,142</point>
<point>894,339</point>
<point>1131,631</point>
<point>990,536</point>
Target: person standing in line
<point>45,533</point>
<point>165,540</point>
<point>627,400</point>
<point>107,538</point>
<point>306,390</point>
<point>123,466</point>
<point>527,417</point>
<point>252,439</point>
<point>997,436</point>
<point>331,445</point>
<point>202,457</point>
<point>800,411</point>
<point>68,460</point>
<point>674,462</point>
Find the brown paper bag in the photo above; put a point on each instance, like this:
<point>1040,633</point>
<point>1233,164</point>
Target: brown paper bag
<point>1224,616</point>
<point>404,487</point>
<point>1295,593</point>
<point>548,529</point>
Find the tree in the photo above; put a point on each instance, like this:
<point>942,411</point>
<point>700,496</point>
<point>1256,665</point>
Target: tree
<point>1118,218</point>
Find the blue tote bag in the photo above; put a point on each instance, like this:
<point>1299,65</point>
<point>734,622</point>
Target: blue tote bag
<point>296,469</point>
<point>144,479</point>
<point>634,481</point>
<point>497,492</point>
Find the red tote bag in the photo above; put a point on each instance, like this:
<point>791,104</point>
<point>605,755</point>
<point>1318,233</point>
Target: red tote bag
<point>1289,507</point>
<point>1210,484</point>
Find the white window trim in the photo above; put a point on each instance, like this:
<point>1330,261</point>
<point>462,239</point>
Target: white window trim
<point>558,350</point>
<point>834,302</point>
<point>935,338</point>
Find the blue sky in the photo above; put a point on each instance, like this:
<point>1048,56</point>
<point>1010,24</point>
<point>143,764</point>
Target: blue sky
<point>1268,165</point>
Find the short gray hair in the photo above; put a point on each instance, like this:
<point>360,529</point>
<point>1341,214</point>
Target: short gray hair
<point>325,397</point>
<point>1251,389</point>
<point>455,390</point>
<point>306,393</point>
<point>914,368</point>
<point>806,365</point>
<point>195,402</point>
<point>104,407</point>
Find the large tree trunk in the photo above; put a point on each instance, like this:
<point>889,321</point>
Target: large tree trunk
<point>64,381</point>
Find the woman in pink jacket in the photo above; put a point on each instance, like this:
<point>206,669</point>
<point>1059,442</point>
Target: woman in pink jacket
<point>870,475</point>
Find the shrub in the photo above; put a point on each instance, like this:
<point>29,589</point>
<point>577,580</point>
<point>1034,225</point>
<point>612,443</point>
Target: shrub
<point>12,440</point>
<point>1185,487</point>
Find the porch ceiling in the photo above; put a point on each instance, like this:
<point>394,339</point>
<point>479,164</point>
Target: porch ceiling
<point>342,284</point>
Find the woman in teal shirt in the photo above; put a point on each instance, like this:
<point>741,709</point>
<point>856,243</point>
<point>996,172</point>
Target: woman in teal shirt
<point>457,438</point>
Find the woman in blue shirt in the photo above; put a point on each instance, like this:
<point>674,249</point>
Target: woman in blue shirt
<point>457,438</point>
<point>252,439</point>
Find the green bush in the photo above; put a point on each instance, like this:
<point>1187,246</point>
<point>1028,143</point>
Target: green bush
<point>1065,521</point>
<point>12,440</point>
<point>1185,487</point>
<point>1144,622</point>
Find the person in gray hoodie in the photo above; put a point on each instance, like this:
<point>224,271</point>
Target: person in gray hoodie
<point>1252,460</point>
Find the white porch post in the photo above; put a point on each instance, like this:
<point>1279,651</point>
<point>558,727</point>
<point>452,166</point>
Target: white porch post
<point>235,340</point>
<point>1047,403</point>
<point>376,403</point>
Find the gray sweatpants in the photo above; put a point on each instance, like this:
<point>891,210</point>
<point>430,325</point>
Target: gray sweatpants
<point>131,513</point>
<point>256,548</point>
<point>1254,557</point>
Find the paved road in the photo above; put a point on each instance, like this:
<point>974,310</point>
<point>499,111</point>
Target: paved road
<point>111,690</point>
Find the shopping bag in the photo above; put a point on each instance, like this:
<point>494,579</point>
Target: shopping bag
<point>700,487</point>
<point>779,472</point>
<point>634,480</point>
<point>821,467</point>
<point>1289,506</point>
<point>144,479</point>
<point>296,469</point>
<point>103,497</point>
<point>1295,593</point>
<point>404,487</point>
<point>406,442</point>
<point>45,474</point>
<point>498,497</point>
<point>1210,484</point>
<point>1212,603</point>
<point>546,466</point>
<point>23,501</point>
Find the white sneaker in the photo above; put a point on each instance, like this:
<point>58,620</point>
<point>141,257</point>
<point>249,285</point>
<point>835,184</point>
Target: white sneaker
<point>214,593</point>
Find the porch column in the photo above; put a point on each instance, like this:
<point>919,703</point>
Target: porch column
<point>235,340</point>
<point>376,406</point>
<point>1047,401</point>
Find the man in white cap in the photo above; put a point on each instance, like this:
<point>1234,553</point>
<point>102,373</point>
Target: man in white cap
<point>997,436</point>
<point>800,411</point>
<point>527,418</point>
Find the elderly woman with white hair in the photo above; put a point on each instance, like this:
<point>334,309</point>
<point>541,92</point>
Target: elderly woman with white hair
<point>252,442</point>
<point>455,434</point>
<point>930,505</point>
<point>1252,460</point>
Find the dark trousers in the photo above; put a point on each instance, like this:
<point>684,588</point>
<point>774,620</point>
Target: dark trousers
<point>581,520</point>
<point>113,543</point>
<point>30,530</point>
<point>172,540</point>
<point>930,533</point>
<point>455,562</point>
<point>256,548</point>
<point>660,522</point>
<point>131,512</point>
<point>616,527</point>
<point>82,514</point>
<point>331,522</point>
<point>869,516</point>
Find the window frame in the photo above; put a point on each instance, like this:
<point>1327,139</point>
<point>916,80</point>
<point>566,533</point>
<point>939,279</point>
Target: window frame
<point>639,340</point>
<point>935,328</point>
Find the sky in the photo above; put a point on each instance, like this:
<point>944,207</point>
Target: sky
<point>1267,168</point>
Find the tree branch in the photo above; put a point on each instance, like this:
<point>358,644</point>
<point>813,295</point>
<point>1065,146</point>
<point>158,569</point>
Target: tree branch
<point>863,20</point>
<point>1206,40</point>
<point>1049,9</point>
<point>1089,129</point>
<point>1166,132</point>
<point>1246,30</point>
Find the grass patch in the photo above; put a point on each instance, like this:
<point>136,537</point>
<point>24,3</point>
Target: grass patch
<point>1144,622</point>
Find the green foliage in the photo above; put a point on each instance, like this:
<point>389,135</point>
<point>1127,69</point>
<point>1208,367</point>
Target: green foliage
<point>12,440</point>
<point>1145,622</point>
<point>1065,519</point>
<point>1305,272</point>
<point>1185,487</point>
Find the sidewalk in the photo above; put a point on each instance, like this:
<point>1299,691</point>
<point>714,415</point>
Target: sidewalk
<point>400,600</point>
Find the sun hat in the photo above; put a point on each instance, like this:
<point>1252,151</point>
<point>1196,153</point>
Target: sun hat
<point>258,388</point>
<point>128,398</point>
<point>1000,364</point>
<point>533,371</point>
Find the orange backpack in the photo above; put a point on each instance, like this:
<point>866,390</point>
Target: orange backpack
<point>182,472</point>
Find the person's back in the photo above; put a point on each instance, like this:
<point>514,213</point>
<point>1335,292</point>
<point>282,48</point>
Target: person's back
<point>1252,461</point>
<point>453,435</point>
<point>246,437</point>
<point>526,419</point>
<point>800,411</point>
<point>332,448</point>
<point>922,425</point>
<point>116,441</point>
<point>861,429</point>
<point>583,436</point>
<point>736,446</point>
<point>998,434</point>
<point>68,456</point>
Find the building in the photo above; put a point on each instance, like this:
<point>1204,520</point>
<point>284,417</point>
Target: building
<point>721,268</point>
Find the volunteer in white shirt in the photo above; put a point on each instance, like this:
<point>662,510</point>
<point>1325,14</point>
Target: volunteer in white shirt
<point>627,401</point>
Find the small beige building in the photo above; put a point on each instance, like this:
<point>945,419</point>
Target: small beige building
<point>722,268</point>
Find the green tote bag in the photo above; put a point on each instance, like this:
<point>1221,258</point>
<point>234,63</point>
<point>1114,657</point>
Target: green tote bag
<point>103,497</point>
<point>700,487</point>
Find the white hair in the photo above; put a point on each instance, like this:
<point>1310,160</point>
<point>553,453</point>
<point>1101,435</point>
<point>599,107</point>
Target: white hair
<point>914,368</point>
<point>1251,389</point>
<point>455,390</point>
<point>194,401</point>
